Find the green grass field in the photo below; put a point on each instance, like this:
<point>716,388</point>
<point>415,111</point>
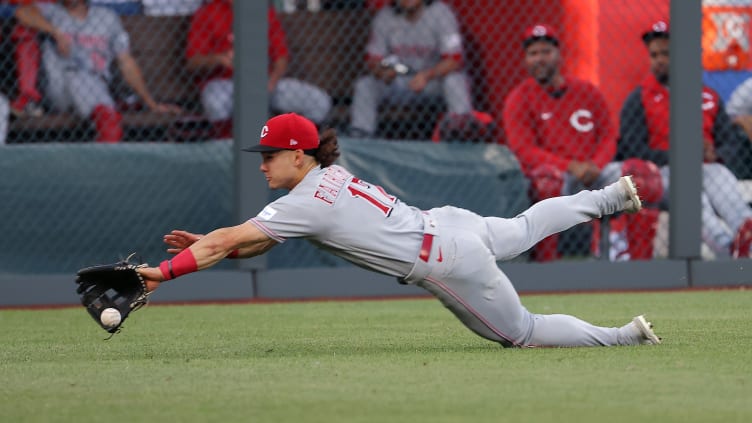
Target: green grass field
<point>376,361</point>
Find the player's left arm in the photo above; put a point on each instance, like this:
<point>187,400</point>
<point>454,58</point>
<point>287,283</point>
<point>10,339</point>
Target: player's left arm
<point>178,240</point>
<point>135,79</point>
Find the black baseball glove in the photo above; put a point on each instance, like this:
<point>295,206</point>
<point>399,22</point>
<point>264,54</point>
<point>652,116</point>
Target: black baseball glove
<point>117,285</point>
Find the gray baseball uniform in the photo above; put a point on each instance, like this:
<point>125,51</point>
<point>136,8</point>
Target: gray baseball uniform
<point>79,81</point>
<point>724,209</point>
<point>419,45</point>
<point>448,251</point>
<point>289,95</point>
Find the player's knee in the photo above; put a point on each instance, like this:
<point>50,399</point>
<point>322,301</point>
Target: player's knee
<point>647,177</point>
<point>546,181</point>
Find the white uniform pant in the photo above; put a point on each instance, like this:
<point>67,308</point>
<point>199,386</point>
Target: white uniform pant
<point>370,92</point>
<point>73,89</point>
<point>465,277</point>
<point>290,95</point>
<point>724,209</point>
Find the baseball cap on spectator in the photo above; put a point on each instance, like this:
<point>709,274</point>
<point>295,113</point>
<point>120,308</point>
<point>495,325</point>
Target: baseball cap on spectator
<point>657,30</point>
<point>288,131</point>
<point>540,32</point>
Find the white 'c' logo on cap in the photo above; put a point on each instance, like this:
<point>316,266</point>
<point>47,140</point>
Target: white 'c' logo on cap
<point>539,31</point>
<point>660,26</point>
<point>264,131</point>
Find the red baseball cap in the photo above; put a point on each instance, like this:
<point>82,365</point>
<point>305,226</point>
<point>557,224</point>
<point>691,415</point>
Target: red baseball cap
<point>289,131</point>
<point>659,29</point>
<point>540,32</point>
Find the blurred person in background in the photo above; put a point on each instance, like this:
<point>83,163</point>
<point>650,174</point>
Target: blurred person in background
<point>739,109</point>
<point>560,129</point>
<point>210,52</point>
<point>26,55</point>
<point>170,7</point>
<point>81,43</point>
<point>726,217</point>
<point>4,114</point>
<point>414,56</point>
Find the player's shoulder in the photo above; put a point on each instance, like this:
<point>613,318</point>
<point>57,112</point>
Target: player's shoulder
<point>103,14</point>
<point>439,7</point>
<point>386,12</point>
<point>528,86</point>
<point>48,9</point>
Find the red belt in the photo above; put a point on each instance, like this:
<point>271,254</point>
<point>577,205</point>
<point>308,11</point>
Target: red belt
<point>425,248</point>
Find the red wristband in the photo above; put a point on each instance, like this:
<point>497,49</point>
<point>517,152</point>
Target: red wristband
<point>180,265</point>
<point>234,254</point>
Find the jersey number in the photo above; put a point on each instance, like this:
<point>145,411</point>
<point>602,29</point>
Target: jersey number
<point>374,194</point>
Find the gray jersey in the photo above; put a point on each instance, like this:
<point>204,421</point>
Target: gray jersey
<point>96,40</point>
<point>352,218</point>
<point>420,44</point>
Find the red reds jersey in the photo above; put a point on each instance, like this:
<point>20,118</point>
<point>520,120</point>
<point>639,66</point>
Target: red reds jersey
<point>545,128</point>
<point>211,32</point>
<point>656,101</point>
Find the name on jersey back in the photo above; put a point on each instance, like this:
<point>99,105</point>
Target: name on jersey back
<point>331,184</point>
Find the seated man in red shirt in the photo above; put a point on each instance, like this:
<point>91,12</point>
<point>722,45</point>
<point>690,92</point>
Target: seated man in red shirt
<point>210,53</point>
<point>726,217</point>
<point>560,130</point>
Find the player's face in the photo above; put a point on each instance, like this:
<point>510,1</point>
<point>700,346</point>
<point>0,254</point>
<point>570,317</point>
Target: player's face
<point>410,5</point>
<point>279,169</point>
<point>72,3</point>
<point>542,60</point>
<point>659,59</point>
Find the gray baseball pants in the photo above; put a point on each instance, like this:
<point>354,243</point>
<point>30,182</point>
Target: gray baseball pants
<point>74,89</point>
<point>370,92</point>
<point>290,95</point>
<point>463,274</point>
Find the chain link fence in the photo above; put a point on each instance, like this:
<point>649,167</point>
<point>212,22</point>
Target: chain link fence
<point>563,83</point>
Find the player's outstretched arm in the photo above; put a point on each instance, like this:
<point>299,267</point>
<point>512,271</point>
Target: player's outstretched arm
<point>244,240</point>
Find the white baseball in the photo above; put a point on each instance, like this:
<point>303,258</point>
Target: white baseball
<point>110,317</point>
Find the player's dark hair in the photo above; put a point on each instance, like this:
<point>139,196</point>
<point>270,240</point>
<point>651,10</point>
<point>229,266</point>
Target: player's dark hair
<point>652,35</point>
<point>397,9</point>
<point>328,150</point>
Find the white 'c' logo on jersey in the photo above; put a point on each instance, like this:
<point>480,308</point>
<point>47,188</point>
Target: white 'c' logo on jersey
<point>581,120</point>
<point>264,131</point>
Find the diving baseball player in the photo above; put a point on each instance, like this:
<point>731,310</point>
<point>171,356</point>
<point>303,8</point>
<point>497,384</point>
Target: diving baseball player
<point>448,251</point>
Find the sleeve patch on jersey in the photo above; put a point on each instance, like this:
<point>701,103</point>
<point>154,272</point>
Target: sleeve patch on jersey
<point>267,213</point>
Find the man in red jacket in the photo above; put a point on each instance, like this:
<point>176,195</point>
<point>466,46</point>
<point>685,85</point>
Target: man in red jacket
<point>726,217</point>
<point>560,129</point>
